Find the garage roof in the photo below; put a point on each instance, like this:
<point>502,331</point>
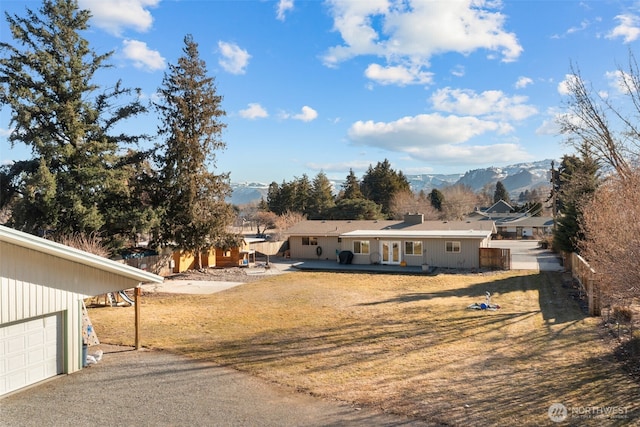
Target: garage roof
<point>39,244</point>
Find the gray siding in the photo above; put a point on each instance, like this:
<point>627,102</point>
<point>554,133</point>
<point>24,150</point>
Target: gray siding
<point>329,247</point>
<point>434,251</point>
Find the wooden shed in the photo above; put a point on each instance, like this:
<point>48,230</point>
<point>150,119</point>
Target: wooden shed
<point>239,256</point>
<point>43,285</point>
<point>186,260</point>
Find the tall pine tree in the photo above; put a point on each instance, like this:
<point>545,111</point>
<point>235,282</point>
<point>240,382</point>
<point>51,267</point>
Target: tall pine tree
<point>576,182</point>
<point>76,168</point>
<point>381,183</point>
<point>321,200</point>
<point>501,193</point>
<point>196,214</point>
<point>351,187</point>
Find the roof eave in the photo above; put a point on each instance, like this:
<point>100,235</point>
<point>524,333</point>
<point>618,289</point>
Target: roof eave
<point>32,242</point>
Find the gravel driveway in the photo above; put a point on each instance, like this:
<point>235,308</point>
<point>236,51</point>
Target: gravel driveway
<point>153,388</point>
<point>527,255</point>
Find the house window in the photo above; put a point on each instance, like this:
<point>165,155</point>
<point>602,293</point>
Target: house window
<point>413,248</point>
<point>227,254</point>
<point>309,241</point>
<point>452,247</point>
<point>361,247</point>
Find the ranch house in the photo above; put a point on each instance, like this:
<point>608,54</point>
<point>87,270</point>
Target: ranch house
<point>413,241</point>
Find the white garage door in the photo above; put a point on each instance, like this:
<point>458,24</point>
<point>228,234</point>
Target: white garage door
<point>30,351</point>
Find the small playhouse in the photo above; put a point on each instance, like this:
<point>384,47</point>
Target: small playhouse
<point>241,255</point>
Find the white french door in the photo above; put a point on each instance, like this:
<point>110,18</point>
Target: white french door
<point>390,251</point>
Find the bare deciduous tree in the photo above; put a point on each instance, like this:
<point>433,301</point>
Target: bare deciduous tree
<point>459,201</point>
<point>264,221</point>
<point>593,122</point>
<point>405,202</point>
<point>611,228</point>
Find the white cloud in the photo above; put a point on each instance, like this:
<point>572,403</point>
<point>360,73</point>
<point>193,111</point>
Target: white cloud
<point>356,165</point>
<point>234,59</point>
<point>254,111</point>
<point>620,81</point>
<point>523,82</point>
<point>549,127</point>
<point>418,132</point>
<point>403,33</point>
<point>282,8</point>
<point>565,85</point>
<point>399,75</point>
<point>435,137</point>
<point>458,71</point>
<point>142,56</point>
<point>476,154</point>
<point>490,104</point>
<point>628,28</point>
<point>307,114</point>
<point>114,16</point>
<point>573,30</point>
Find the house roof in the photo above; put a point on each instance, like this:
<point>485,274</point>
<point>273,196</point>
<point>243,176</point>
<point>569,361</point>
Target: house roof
<point>431,234</point>
<point>526,221</point>
<point>340,227</point>
<point>49,247</point>
<point>499,207</point>
<point>515,219</point>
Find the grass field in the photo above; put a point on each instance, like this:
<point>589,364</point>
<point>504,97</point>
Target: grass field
<point>403,344</point>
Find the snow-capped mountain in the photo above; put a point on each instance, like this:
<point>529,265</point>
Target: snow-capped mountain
<point>516,178</point>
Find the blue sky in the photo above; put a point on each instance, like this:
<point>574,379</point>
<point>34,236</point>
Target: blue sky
<point>309,86</point>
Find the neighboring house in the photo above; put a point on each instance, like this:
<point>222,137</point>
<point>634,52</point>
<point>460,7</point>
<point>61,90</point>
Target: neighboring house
<point>447,244</point>
<point>514,225</point>
<point>43,285</point>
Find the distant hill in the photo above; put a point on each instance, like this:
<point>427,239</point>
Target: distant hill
<point>516,178</point>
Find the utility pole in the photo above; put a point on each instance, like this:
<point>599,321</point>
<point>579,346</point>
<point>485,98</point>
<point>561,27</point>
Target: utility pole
<point>554,191</point>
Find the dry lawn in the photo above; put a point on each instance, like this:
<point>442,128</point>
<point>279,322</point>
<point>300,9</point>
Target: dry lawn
<point>403,344</point>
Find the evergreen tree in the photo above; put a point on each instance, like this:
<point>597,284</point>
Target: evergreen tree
<point>76,170</point>
<point>381,183</point>
<point>501,193</point>
<point>351,187</point>
<point>576,182</point>
<point>273,198</point>
<point>196,215</point>
<point>355,209</point>
<point>436,198</point>
<point>302,195</point>
<point>263,206</point>
<point>281,198</point>
<point>321,197</point>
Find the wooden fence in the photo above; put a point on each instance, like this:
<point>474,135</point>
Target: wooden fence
<point>157,264</point>
<point>495,258</point>
<point>582,272</point>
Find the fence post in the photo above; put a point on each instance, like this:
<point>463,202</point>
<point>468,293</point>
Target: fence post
<point>590,297</point>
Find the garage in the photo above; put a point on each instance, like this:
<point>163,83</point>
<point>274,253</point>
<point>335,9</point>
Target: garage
<point>42,288</point>
<point>31,351</point>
